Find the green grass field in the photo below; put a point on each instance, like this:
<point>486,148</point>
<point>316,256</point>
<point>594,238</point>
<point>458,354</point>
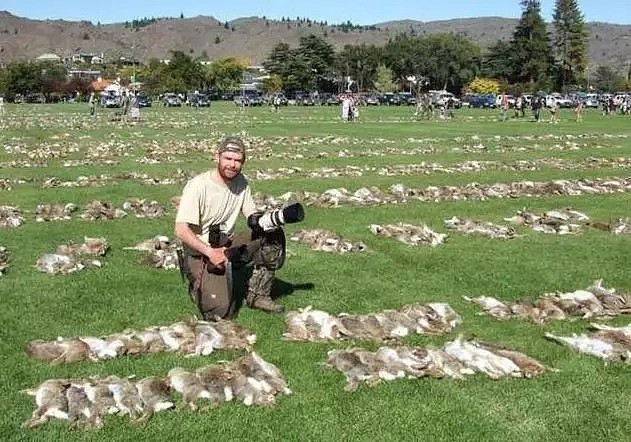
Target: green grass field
<point>584,401</point>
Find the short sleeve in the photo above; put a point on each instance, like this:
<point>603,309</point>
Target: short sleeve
<point>189,210</point>
<point>248,203</point>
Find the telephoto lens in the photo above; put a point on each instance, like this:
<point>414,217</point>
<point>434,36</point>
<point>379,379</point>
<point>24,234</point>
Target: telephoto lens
<point>273,219</point>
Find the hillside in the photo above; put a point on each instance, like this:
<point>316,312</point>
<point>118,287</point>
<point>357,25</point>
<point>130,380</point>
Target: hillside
<point>252,38</point>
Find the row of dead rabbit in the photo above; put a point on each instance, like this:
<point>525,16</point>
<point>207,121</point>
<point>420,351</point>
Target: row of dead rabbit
<point>200,338</point>
<point>249,379</point>
<point>71,257</point>
<point>162,252</point>
<point>86,401</point>
<point>262,148</point>
<point>456,360</point>
<point>399,193</point>
<point>189,338</point>
<point>560,222</point>
<point>596,301</point>
<point>11,216</point>
<point>471,166</point>
<point>611,344</point>
<point>396,194</point>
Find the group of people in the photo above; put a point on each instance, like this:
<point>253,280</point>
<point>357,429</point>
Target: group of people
<point>536,103</point>
<point>426,108</point>
<point>612,105</point>
<point>350,107</point>
<point>129,105</point>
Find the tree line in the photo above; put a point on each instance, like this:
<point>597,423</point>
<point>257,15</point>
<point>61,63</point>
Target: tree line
<point>532,60</point>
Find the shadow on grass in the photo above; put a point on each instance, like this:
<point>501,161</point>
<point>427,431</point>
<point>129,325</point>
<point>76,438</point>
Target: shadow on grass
<point>280,288</point>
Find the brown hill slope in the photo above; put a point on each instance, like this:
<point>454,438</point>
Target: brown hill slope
<point>253,37</point>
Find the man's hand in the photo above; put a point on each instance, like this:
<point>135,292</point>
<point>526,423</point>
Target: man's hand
<point>217,256</point>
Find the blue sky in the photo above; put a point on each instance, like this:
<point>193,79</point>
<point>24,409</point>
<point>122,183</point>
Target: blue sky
<point>358,11</point>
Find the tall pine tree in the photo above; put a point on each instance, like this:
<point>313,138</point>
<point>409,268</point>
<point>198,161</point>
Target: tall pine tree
<point>532,55</point>
<point>570,42</point>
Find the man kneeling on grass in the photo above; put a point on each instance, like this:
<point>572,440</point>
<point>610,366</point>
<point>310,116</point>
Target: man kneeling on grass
<point>205,220</point>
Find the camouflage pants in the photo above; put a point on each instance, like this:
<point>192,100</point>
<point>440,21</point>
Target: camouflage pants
<point>211,291</point>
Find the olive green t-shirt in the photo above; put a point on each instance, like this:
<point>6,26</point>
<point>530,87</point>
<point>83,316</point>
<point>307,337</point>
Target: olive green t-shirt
<point>206,203</point>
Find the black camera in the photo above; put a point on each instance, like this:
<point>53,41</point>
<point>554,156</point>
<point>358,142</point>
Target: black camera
<point>273,219</point>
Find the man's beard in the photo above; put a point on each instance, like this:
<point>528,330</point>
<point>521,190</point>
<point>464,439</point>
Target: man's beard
<point>230,174</point>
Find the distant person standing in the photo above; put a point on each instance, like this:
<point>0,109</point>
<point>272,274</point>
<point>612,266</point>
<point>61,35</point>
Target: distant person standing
<point>519,107</point>
<point>504,107</point>
<point>346,107</point>
<point>536,108</point>
<point>135,108</point>
<point>125,103</point>
<point>1,106</point>
<point>354,110</point>
<point>579,109</point>
<point>554,110</point>
<point>92,103</point>
<point>276,101</point>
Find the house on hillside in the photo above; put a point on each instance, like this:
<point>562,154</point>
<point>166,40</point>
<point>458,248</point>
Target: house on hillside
<point>129,61</point>
<point>83,73</point>
<point>88,58</point>
<point>49,58</point>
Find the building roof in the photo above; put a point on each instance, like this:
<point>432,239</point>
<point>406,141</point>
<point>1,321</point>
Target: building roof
<point>100,85</point>
<point>49,57</point>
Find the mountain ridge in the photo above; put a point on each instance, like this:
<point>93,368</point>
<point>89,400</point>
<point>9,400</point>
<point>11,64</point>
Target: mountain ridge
<point>252,38</point>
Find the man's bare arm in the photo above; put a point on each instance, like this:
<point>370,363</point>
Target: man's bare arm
<point>184,232</point>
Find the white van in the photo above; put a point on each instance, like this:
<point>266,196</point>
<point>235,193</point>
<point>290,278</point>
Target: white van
<point>592,100</point>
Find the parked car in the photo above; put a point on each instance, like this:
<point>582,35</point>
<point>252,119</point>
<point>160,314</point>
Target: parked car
<point>333,100</point>
<point>248,100</point>
<point>35,98</point>
<point>143,100</point>
<point>171,100</point>
<point>392,99</point>
<point>110,101</point>
<point>441,98</point>
<point>482,102</point>
<point>306,100</point>
<point>372,100</point>
<point>201,100</point>
<point>407,98</point>
<point>560,100</point>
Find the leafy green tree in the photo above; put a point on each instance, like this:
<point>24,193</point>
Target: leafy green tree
<point>278,60</point>
<point>360,62</point>
<point>22,78</point>
<point>383,79</point>
<point>445,60</point>
<point>318,57</point>
<point>306,68</point>
<point>183,73</point>
<point>225,74</point>
<point>271,84</point>
<point>53,79</point>
<point>570,41</point>
<point>608,80</point>
<point>532,55</point>
<point>498,61</point>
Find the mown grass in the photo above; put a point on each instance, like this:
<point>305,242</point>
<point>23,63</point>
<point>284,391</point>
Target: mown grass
<point>584,401</point>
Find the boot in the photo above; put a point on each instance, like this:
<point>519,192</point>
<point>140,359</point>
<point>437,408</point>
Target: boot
<point>265,304</point>
<point>260,290</point>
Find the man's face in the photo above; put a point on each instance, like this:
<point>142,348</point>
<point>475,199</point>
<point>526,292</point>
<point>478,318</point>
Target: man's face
<point>229,164</point>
